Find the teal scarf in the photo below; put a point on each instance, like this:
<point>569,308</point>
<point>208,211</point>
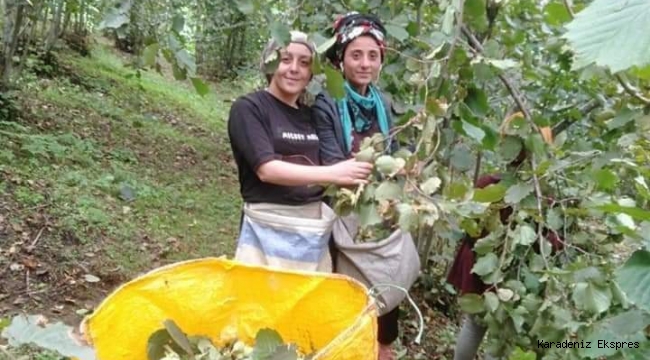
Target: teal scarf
<point>354,101</point>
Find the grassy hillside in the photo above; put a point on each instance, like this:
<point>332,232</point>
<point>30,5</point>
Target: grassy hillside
<point>105,175</point>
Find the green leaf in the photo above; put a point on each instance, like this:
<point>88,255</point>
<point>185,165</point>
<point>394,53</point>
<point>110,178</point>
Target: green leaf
<point>280,33</point>
<point>408,218</point>
<point>503,64</point>
<point>178,23</point>
<point>475,14</point>
<point>397,32</point>
<point>477,101</point>
<point>535,143</point>
<point>368,215</point>
<point>247,7</point>
<point>556,13</point>
<point>604,26</point>
<point>520,354</point>
<point>486,244</point>
<point>471,303</point>
<point>456,191</point>
<point>634,278</point>
<point>157,342</point>
<point>284,353</point>
<point>334,83</point>
<point>491,301</point>
<point>326,45</point>
<point>486,264</point>
<point>266,343</point>
<point>490,194</point>
<point>641,72</point>
<point>606,179</point>
<point>624,327</point>
<point>113,21</point>
<point>461,158</point>
<point>431,185</point>
<point>635,212</point>
<point>388,190</point>
<point>623,118</point>
<point>510,148</point>
<point>518,192</point>
<point>185,59</point>
<point>200,87</point>
<point>524,235</point>
<point>448,21</point>
<point>149,54</point>
<point>178,336</point>
<point>591,297</point>
<point>554,219</point>
<point>474,132</point>
<point>27,330</point>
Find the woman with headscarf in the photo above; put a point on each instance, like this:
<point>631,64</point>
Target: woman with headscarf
<point>462,278</point>
<point>276,149</point>
<point>343,124</point>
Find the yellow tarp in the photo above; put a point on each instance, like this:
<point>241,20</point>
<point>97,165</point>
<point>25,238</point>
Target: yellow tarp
<point>220,298</point>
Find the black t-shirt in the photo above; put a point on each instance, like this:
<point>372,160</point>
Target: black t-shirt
<point>262,128</point>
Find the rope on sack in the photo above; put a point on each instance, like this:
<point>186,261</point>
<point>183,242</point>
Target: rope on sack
<point>374,292</point>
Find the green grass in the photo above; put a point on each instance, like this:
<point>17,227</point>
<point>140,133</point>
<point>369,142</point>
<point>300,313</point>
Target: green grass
<point>97,132</point>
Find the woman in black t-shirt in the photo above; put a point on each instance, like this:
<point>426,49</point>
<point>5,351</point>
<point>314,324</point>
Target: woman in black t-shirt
<point>276,148</point>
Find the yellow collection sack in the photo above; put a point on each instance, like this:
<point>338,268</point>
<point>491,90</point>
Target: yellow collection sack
<point>327,314</point>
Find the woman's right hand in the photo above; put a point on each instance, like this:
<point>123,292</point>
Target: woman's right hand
<point>350,172</point>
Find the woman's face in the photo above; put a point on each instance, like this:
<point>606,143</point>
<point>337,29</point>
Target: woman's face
<point>294,70</point>
<point>362,61</point>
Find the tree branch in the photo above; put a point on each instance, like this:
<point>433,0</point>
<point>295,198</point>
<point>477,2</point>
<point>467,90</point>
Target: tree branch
<point>519,99</point>
<point>569,9</point>
<point>564,124</point>
<point>514,92</point>
<point>452,46</point>
<point>630,90</point>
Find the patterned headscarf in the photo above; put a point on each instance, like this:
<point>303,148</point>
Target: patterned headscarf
<point>349,27</point>
<point>270,51</point>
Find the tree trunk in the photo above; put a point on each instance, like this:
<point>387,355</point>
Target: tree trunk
<point>66,21</point>
<point>14,14</point>
<point>53,35</point>
<point>80,28</point>
<point>31,27</point>
<point>46,14</point>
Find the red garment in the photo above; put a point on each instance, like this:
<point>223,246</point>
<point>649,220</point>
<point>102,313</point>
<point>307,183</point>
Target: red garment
<point>460,275</point>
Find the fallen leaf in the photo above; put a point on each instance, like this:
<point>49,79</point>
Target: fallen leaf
<point>91,278</point>
<point>30,263</point>
<point>547,134</point>
<point>507,121</point>
<point>17,227</point>
<point>16,267</point>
